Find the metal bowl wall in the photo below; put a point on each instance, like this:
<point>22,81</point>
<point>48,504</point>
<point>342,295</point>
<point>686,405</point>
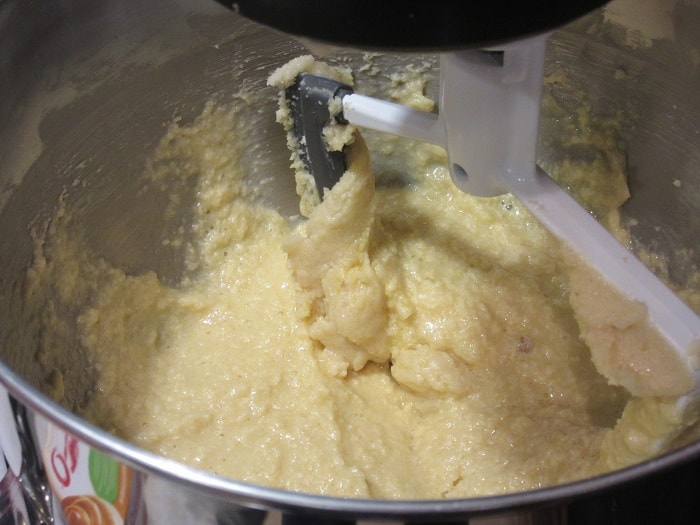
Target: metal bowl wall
<point>87,91</point>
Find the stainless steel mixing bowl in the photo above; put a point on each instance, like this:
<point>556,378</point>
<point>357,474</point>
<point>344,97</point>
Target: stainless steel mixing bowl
<point>88,89</point>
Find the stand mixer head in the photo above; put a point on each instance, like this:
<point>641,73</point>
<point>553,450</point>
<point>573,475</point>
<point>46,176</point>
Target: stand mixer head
<point>413,24</point>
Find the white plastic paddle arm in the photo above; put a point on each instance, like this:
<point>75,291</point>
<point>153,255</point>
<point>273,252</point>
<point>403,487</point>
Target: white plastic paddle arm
<point>491,114</point>
<point>567,220</point>
<point>392,118</point>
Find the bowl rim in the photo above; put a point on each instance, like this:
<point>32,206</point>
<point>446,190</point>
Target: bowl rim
<point>258,496</point>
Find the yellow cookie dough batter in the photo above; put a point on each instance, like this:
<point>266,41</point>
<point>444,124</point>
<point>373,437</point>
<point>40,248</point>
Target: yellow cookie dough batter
<point>406,341</point>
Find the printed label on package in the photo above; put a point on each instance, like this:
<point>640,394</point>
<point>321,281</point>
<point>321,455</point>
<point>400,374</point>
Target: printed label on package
<point>90,487</point>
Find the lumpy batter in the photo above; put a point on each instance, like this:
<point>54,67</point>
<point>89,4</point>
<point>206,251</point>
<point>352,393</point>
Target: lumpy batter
<point>405,341</point>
